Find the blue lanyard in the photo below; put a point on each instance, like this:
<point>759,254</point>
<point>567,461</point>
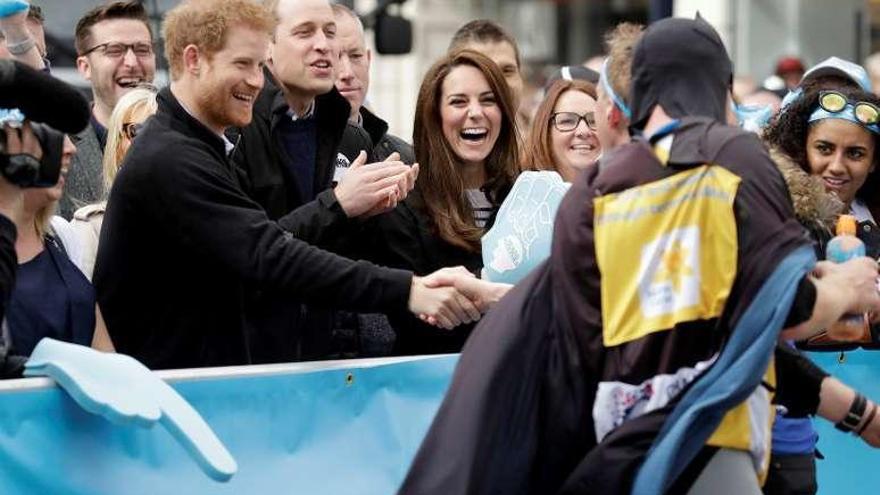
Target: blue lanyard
<point>665,130</point>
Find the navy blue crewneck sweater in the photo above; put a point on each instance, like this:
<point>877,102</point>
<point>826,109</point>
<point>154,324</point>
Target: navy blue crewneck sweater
<point>300,140</point>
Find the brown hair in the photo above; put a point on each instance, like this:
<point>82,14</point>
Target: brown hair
<point>620,43</point>
<point>205,23</point>
<point>115,10</point>
<point>539,152</point>
<point>441,184</point>
<point>482,31</point>
<point>35,13</point>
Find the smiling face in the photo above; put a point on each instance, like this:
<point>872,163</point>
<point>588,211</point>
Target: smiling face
<point>303,52</point>
<point>842,154</point>
<point>112,74</point>
<point>228,81</point>
<point>470,114</point>
<point>353,74</point>
<point>576,149</point>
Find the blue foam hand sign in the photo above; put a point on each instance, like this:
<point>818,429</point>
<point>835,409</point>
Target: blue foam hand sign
<point>125,391</point>
<point>523,231</point>
<point>12,7</point>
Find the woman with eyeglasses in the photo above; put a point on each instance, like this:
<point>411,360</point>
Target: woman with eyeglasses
<point>127,117</point>
<point>563,134</point>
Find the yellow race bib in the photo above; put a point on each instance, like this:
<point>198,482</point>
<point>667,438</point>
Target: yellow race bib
<point>667,252</point>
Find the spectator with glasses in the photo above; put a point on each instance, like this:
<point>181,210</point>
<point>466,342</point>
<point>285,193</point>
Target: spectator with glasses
<point>115,47</point>
<point>563,135</point>
<point>132,110</point>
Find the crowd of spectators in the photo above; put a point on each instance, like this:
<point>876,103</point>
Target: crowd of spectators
<point>258,210</point>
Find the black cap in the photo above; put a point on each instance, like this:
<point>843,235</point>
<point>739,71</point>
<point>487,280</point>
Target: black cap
<point>681,65</point>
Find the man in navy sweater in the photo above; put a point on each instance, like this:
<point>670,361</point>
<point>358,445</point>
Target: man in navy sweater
<point>292,165</point>
<point>181,240</point>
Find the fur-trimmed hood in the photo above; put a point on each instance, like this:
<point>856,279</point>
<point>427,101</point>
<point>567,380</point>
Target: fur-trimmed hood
<point>813,207</point>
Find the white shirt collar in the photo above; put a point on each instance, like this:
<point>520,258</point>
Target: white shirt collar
<point>861,211</point>
<point>358,120</point>
<point>310,111</point>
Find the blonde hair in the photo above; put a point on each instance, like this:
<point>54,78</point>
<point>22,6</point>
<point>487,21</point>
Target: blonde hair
<point>621,44</point>
<point>43,218</point>
<point>205,23</point>
<point>139,100</point>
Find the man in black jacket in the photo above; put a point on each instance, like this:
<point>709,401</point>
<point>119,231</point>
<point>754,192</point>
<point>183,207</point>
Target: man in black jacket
<point>365,131</point>
<point>181,239</point>
<point>289,151</point>
<point>290,160</point>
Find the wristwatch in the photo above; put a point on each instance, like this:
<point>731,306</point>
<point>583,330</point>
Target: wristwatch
<point>854,416</point>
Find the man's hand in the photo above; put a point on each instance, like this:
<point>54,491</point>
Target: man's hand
<point>18,141</point>
<point>444,306</point>
<point>368,189</point>
<point>13,11</point>
<point>855,281</point>
<point>482,294</point>
<point>13,23</point>
<point>841,288</point>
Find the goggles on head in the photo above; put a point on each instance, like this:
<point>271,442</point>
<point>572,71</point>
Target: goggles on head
<point>834,105</point>
<point>603,80</point>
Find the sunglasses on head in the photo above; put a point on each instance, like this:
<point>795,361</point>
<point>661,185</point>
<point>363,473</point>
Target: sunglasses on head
<point>835,102</point>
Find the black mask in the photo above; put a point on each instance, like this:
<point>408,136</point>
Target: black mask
<point>681,65</point>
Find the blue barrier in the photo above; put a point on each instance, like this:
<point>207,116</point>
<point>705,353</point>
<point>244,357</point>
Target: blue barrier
<point>344,427</point>
<point>850,465</point>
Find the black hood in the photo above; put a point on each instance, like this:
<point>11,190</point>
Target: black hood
<point>681,65</point>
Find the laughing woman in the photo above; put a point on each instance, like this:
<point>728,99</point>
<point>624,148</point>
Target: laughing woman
<point>563,136</point>
<point>466,144</point>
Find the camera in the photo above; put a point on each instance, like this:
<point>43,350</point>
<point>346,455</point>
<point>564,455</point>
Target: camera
<point>58,107</point>
<point>25,170</point>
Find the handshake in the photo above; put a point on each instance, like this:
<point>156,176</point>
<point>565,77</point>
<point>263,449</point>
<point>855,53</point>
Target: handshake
<point>453,296</point>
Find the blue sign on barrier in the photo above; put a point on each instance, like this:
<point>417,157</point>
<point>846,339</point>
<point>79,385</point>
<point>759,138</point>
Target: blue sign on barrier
<point>850,465</point>
<point>347,427</point>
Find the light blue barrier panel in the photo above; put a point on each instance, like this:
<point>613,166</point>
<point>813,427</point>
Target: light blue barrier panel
<point>850,465</point>
<point>345,427</point>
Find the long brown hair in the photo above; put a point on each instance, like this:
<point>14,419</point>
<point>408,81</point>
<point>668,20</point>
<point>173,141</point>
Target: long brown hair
<point>441,184</point>
<point>539,152</point>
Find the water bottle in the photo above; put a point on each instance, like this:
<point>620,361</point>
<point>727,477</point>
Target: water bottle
<point>843,247</point>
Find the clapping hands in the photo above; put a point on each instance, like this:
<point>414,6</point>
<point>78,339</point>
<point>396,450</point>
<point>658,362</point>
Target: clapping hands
<point>370,189</point>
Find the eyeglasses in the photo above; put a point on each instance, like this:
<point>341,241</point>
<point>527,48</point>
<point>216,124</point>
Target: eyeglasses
<point>118,50</point>
<point>864,112</point>
<point>131,129</point>
<point>568,121</point>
